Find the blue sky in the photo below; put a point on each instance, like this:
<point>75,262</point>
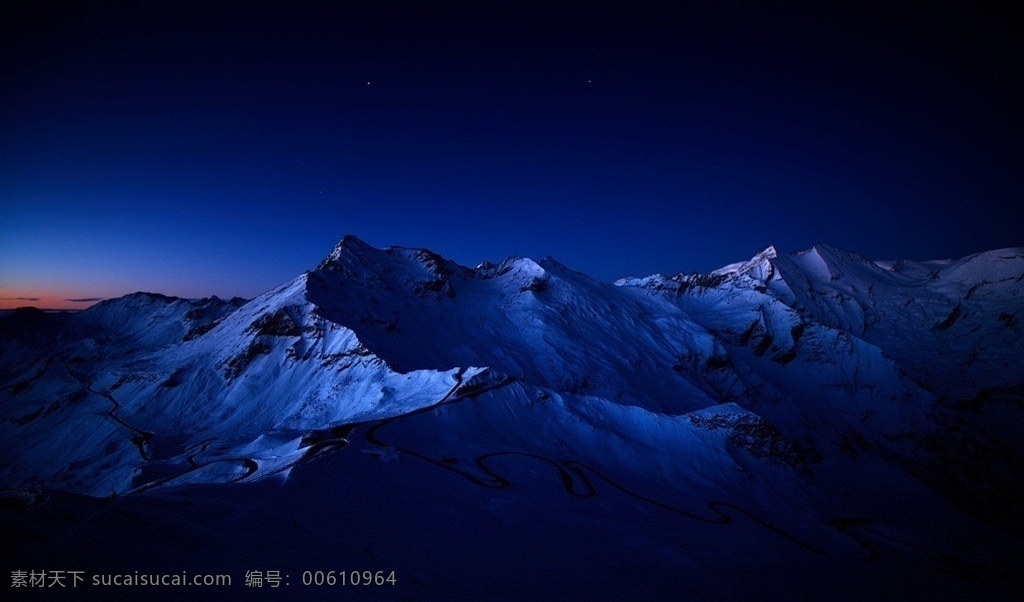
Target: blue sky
<point>192,150</point>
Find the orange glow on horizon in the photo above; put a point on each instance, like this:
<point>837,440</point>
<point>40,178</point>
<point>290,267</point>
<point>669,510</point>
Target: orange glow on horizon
<point>45,299</point>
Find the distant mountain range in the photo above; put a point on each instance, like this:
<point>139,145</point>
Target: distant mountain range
<point>833,427</point>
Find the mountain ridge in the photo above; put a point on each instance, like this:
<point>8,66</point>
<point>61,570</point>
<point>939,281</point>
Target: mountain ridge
<point>811,388</point>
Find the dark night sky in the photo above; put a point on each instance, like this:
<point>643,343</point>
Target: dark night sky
<point>191,150</point>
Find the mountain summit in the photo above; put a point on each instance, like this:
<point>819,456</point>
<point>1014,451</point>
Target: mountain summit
<point>817,407</point>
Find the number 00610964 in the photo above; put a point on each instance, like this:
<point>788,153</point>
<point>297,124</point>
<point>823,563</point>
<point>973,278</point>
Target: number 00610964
<point>349,578</point>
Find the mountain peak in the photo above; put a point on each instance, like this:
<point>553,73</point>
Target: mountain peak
<point>350,245</point>
<point>351,242</point>
<point>759,266</point>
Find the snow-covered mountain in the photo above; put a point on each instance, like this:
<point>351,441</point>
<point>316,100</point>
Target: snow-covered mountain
<point>813,419</point>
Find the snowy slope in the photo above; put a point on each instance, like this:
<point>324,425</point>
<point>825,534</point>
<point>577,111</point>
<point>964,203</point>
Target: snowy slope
<point>234,388</point>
